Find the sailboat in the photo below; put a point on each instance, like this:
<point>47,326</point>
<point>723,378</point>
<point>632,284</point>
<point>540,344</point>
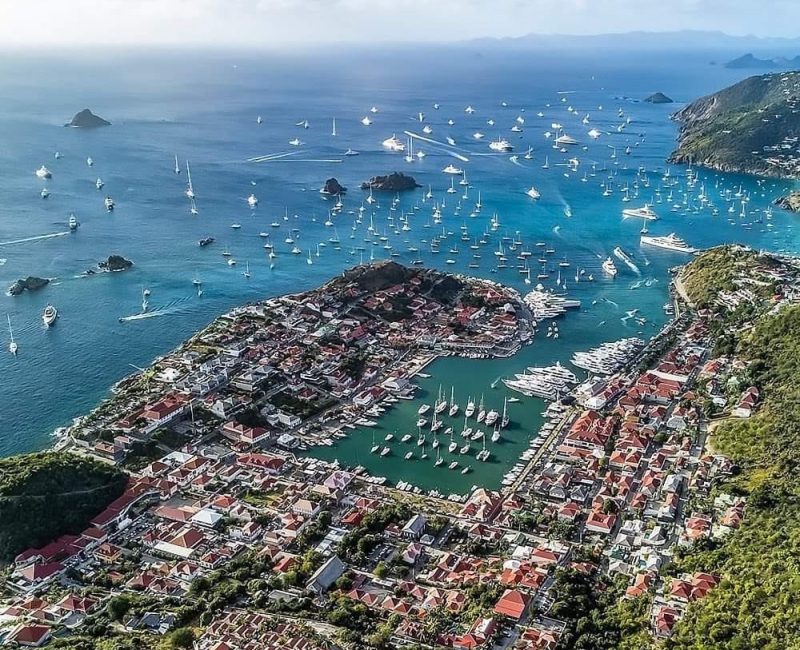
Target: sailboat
<point>177,167</point>
<point>439,459</point>
<point>12,345</point>
<point>246,270</point>
<point>333,130</point>
<point>189,186</point>
<point>453,406</point>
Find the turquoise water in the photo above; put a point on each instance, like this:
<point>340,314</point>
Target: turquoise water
<point>203,107</point>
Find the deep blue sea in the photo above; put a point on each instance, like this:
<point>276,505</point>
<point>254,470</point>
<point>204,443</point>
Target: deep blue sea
<point>203,107</point>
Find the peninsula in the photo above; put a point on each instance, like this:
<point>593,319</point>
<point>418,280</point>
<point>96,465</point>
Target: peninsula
<point>749,127</point>
<point>655,501</point>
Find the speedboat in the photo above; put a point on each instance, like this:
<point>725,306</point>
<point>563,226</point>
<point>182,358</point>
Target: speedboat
<point>366,121</point>
<point>89,161</point>
<point>533,193</point>
<point>73,222</point>
<point>252,201</point>
<point>49,315</point>
<point>44,193</point>
<point>99,183</point>
<point>350,152</point>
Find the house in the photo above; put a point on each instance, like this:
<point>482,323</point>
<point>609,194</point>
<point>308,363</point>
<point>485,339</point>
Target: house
<point>29,635</point>
<point>512,604</point>
<point>414,528</point>
<point>325,576</point>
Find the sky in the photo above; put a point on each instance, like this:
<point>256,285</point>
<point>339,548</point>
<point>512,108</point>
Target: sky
<point>276,23</point>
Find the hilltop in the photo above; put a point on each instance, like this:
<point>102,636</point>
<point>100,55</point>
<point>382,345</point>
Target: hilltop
<point>45,495</point>
<point>748,127</point>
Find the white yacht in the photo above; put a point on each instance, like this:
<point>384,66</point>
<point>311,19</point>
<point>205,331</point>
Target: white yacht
<point>109,203</point>
<point>609,268</point>
<point>73,222</point>
<point>500,145</point>
<point>645,212</point>
<point>452,169</point>
<point>565,139</point>
<point>89,161</point>
<point>670,242</point>
<point>533,193</point>
<point>594,134</point>
<point>393,144</point>
<point>252,201</point>
<point>43,172</point>
<point>49,315</point>
<point>366,121</point>
<point>99,183</point>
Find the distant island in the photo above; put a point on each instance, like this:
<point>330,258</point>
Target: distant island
<point>747,128</point>
<point>394,182</point>
<point>747,61</point>
<point>85,119</point>
<point>658,98</point>
<point>31,283</point>
<point>113,264</point>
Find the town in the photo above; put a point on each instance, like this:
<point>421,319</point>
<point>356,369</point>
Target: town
<point>227,538</point>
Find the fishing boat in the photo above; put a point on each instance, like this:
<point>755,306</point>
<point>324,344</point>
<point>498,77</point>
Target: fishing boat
<point>109,203</point>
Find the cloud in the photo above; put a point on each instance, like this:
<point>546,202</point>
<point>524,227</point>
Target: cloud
<point>281,22</point>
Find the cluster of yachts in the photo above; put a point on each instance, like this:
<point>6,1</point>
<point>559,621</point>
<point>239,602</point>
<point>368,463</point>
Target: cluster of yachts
<point>548,383</point>
<point>445,436</point>
<point>607,358</point>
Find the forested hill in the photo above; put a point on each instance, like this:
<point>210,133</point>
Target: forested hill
<point>757,605</point>
<point>48,494</point>
<point>748,127</point>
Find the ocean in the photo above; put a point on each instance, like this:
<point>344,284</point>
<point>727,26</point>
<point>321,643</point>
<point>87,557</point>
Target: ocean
<point>202,107</point>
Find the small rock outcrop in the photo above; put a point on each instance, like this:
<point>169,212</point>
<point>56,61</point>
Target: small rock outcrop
<point>658,98</point>
<point>115,263</point>
<point>790,202</point>
<point>394,182</point>
<point>334,187</point>
<point>31,283</point>
<point>85,119</point>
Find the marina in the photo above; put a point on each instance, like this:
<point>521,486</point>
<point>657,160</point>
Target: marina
<point>167,222</point>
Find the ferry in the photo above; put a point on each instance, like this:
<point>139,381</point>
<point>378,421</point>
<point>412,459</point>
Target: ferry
<point>670,242</point>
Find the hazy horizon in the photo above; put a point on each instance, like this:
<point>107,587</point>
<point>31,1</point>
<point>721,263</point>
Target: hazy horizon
<point>277,23</point>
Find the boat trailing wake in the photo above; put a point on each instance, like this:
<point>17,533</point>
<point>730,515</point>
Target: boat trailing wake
<point>445,147</point>
<point>171,308</point>
<point>35,238</point>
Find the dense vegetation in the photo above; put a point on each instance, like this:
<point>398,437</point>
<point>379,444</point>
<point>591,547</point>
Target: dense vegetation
<point>595,617</point>
<point>757,604</point>
<point>714,271</point>
<point>729,129</point>
<point>47,494</point>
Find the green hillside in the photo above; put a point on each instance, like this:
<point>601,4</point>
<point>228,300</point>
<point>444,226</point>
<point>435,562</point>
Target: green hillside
<point>47,494</point>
